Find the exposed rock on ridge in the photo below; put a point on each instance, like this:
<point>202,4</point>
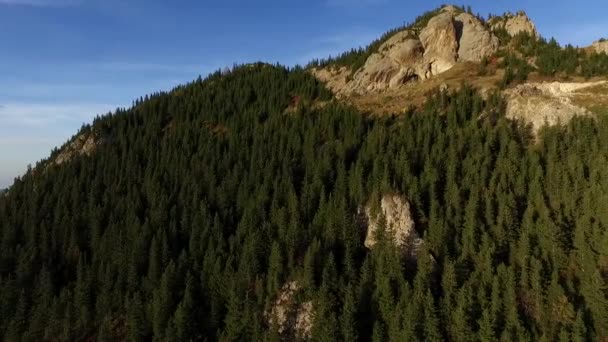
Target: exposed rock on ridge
<point>600,46</point>
<point>83,144</point>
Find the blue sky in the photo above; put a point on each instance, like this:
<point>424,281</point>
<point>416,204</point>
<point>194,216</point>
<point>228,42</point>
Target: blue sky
<point>64,61</point>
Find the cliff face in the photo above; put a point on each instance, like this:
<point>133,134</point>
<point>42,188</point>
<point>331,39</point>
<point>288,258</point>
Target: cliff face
<point>476,42</point>
<point>440,44</point>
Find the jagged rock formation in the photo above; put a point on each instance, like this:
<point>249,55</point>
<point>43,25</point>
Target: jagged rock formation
<point>514,24</point>
<point>540,104</point>
<point>397,61</point>
<point>395,214</point>
<point>294,320</point>
<point>83,144</point>
<point>600,46</point>
<point>449,37</point>
<point>475,41</point>
<point>334,78</point>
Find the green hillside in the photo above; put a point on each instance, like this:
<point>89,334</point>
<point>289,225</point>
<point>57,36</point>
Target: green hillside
<point>203,202</point>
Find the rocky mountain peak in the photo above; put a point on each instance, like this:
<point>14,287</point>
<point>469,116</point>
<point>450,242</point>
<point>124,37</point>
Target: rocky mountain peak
<point>448,37</point>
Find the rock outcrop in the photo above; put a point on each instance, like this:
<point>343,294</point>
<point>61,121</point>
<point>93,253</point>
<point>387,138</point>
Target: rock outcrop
<point>395,214</point>
<point>83,144</point>
<point>294,320</point>
<point>514,24</point>
<point>540,104</point>
<point>475,41</point>
<point>600,46</point>
<point>335,79</point>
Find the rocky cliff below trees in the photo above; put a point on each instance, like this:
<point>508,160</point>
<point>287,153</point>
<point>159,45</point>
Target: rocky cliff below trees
<point>293,319</point>
<point>392,218</point>
<point>540,104</point>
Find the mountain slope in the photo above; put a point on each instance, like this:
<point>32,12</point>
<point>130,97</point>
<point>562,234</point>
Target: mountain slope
<point>240,207</point>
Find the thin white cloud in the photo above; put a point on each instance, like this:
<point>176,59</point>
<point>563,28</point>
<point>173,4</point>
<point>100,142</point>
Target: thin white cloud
<point>37,115</point>
<point>21,140</point>
<point>357,36</point>
<point>152,67</point>
<point>43,90</point>
<point>333,44</point>
<point>20,91</point>
<point>583,35</point>
<point>29,131</point>
<point>355,3</point>
<point>40,3</point>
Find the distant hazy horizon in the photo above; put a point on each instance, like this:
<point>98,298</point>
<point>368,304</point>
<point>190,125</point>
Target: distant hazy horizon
<point>65,61</point>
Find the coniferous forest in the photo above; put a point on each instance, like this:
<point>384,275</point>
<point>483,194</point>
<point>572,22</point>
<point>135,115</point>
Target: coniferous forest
<point>199,204</point>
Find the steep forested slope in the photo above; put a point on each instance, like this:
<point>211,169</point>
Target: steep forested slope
<point>203,202</point>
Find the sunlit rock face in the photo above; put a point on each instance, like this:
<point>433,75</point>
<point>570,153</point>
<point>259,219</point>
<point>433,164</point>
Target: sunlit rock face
<point>475,40</point>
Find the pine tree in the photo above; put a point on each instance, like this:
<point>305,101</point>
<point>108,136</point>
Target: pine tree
<point>486,326</point>
<point>349,315</point>
<point>275,269</point>
<point>136,319</point>
<point>163,301</point>
<point>579,330</point>
<point>431,323</point>
<point>185,315</point>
